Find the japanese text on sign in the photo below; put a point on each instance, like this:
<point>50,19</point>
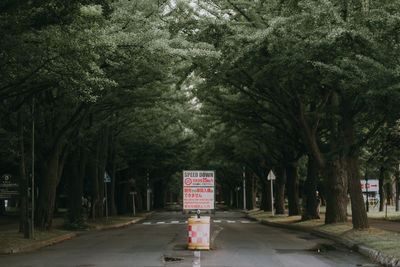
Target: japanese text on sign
<point>198,198</point>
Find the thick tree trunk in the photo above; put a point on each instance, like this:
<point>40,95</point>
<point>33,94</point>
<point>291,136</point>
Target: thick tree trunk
<point>23,207</point>
<point>310,201</point>
<point>95,182</point>
<point>265,195</point>
<point>359,215</point>
<point>381,192</point>
<point>47,191</point>
<point>75,187</point>
<point>280,191</point>
<point>292,175</point>
<point>336,183</point>
<point>159,195</point>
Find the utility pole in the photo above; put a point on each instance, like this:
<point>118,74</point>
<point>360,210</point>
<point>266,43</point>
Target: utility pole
<point>244,187</point>
<point>148,191</point>
<point>32,234</point>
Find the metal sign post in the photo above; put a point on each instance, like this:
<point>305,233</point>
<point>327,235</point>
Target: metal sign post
<point>148,192</point>
<point>107,179</point>
<point>244,187</point>
<point>133,202</point>
<point>271,177</point>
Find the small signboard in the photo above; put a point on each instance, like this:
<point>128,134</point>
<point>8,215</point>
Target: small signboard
<point>107,178</point>
<point>198,190</point>
<point>373,185</point>
<point>271,176</point>
<point>8,189</point>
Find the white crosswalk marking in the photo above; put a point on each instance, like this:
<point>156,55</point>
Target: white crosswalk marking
<point>185,222</point>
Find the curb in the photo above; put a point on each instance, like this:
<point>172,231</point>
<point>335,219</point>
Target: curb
<point>120,225</point>
<point>61,238</point>
<point>38,245</point>
<point>371,253</point>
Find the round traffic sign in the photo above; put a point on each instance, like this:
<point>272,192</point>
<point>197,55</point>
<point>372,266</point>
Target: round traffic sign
<point>188,181</point>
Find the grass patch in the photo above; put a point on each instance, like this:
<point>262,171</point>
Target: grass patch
<point>381,240</point>
<point>13,239</point>
<point>385,241</point>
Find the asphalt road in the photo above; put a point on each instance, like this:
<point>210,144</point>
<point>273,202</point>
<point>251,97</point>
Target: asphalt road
<point>161,240</point>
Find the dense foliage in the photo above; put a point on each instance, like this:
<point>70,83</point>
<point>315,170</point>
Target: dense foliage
<point>143,89</point>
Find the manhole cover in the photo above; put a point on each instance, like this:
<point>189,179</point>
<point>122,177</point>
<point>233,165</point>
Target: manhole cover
<point>170,259</point>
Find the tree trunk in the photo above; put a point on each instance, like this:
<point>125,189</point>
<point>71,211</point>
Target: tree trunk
<point>47,191</point>
<point>311,203</point>
<point>113,182</point>
<point>95,182</point>
<point>397,197</point>
<point>280,190</point>
<point>381,192</point>
<point>359,214</point>
<point>102,169</point>
<point>253,192</point>
<point>2,207</point>
<point>336,195</point>
<point>265,195</point>
<point>75,187</point>
<point>292,175</point>
<point>23,208</point>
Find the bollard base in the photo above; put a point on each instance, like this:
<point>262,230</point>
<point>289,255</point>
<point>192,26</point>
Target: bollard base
<point>199,233</point>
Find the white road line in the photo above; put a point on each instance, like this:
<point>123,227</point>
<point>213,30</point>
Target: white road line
<point>160,222</point>
<point>231,221</point>
<point>217,221</point>
<point>147,223</point>
<point>175,222</point>
<point>245,221</point>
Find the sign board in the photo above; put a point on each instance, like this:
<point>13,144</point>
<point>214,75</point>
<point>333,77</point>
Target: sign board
<point>373,185</point>
<point>198,178</point>
<point>107,178</point>
<point>8,189</point>
<point>199,198</point>
<point>198,190</point>
<point>271,175</point>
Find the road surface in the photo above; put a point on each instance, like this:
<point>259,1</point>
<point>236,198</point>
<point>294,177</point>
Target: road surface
<point>161,240</point>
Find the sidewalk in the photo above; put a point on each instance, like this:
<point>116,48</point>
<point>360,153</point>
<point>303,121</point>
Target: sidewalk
<point>11,241</point>
<point>380,243</point>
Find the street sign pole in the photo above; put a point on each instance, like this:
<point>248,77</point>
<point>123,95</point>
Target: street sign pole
<point>244,187</point>
<point>133,204</point>
<point>272,198</point>
<point>271,177</point>
<point>105,186</point>
<point>32,234</point>
<point>107,179</point>
<point>148,192</point>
